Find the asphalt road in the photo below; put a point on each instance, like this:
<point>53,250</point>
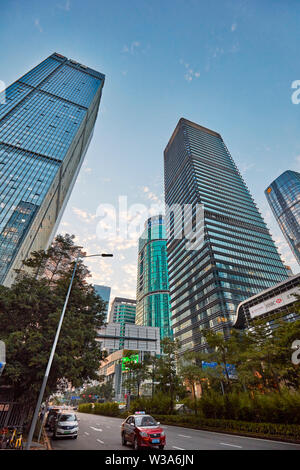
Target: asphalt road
<point>103,433</point>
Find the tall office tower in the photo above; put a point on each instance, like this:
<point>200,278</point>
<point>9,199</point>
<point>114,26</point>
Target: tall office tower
<point>283,195</point>
<point>238,257</point>
<point>122,311</point>
<point>104,293</point>
<point>153,296</point>
<point>47,119</point>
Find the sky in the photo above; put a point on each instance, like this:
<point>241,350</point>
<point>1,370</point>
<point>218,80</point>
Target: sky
<point>226,65</point>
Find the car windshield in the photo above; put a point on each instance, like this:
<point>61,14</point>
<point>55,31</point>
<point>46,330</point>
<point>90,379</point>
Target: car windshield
<point>145,421</point>
<point>67,418</point>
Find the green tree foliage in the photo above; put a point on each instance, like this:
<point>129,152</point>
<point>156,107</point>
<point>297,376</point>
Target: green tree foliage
<point>29,315</point>
<point>170,383</point>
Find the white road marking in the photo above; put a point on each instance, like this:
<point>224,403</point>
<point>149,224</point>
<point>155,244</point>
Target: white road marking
<point>96,429</point>
<point>231,445</point>
<point>87,433</point>
<point>179,448</point>
<point>101,442</point>
<point>240,437</point>
<point>182,435</point>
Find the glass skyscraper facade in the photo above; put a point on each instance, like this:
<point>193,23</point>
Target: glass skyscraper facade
<point>47,119</point>
<point>153,297</point>
<point>238,257</point>
<point>283,196</point>
<point>122,311</point>
<point>104,293</point>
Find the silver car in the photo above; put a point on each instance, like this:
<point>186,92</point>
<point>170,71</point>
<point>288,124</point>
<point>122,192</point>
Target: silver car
<point>66,426</point>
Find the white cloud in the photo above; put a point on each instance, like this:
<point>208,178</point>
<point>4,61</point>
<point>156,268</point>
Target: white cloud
<point>190,73</point>
<point>83,215</point>
<point>37,25</point>
<point>65,6</point>
<point>131,48</point>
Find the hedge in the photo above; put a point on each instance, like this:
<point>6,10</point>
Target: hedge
<point>273,430</point>
<point>106,409</point>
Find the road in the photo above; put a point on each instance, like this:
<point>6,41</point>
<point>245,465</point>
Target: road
<point>103,433</point>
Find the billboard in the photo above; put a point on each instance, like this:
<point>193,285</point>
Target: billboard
<point>129,359</point>
<point>275,302</point>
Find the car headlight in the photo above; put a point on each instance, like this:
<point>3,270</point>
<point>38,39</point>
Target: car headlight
<point>144,434</point>
<point>162,433</point>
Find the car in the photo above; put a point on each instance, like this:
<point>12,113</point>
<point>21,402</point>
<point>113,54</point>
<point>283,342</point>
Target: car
<point>142,430</point>
<point>66,425</point>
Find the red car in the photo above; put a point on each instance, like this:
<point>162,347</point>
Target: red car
<point>141,431</point>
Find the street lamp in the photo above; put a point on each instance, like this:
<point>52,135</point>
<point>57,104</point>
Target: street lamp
<point>42,390</point>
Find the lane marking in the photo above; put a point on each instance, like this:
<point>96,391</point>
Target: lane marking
<point>231,445</point>
<point>182,435</point>
<point>87,433</point>
<point>96,429</point>
<point>101,442</point>
<point>240,437</point>
<point>179,448</point>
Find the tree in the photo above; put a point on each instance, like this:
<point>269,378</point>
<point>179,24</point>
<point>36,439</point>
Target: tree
<point>136,375</point>
<point>152,363</point>
<point>169,381</point>
<point>29,314</point>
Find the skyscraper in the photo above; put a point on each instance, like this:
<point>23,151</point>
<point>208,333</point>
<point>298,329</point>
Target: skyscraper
<point>283,195</point>
<point>122,311</point>
<point>47,119</point>
<point>104,293</point>
<point>153,298</point>
<point>238,258</point>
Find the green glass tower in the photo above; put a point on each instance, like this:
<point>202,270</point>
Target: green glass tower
<point>153,299</point>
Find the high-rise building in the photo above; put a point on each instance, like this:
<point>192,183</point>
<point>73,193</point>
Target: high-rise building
<point>283,195</point>
<point>238,257</point>
<point>47,119</point>
<point>104,293</point>
<point>122,311</point>
<point>153,297</point>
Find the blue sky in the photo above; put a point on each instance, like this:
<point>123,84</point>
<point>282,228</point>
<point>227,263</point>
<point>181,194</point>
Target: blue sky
<point>227,65</point>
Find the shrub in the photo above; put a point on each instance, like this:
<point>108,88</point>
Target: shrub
<point>106,409</point>
<point>159,404</point>
<point>85,408</point>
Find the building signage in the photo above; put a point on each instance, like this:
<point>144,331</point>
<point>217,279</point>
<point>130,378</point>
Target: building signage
<point>125,360</point>
<point>275,302</point>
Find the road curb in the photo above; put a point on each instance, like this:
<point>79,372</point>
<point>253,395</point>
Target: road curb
<point>47,440</point>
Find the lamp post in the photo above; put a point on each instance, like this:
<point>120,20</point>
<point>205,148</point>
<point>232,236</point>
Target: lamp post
<point>42,390</point>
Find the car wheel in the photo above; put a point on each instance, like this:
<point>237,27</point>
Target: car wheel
<point>75,437</point>
<point>124,442</point>
<point>135,444</point>
<point>161,447</point>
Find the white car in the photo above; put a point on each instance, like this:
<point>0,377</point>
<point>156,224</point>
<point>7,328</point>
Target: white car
<point>66,426</point>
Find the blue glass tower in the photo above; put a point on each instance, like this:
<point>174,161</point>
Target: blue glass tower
<point>104,293</point>
<point>153,296</point>
<point>47,119</point>
<point>283,195</point>
<point>238,258</point>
